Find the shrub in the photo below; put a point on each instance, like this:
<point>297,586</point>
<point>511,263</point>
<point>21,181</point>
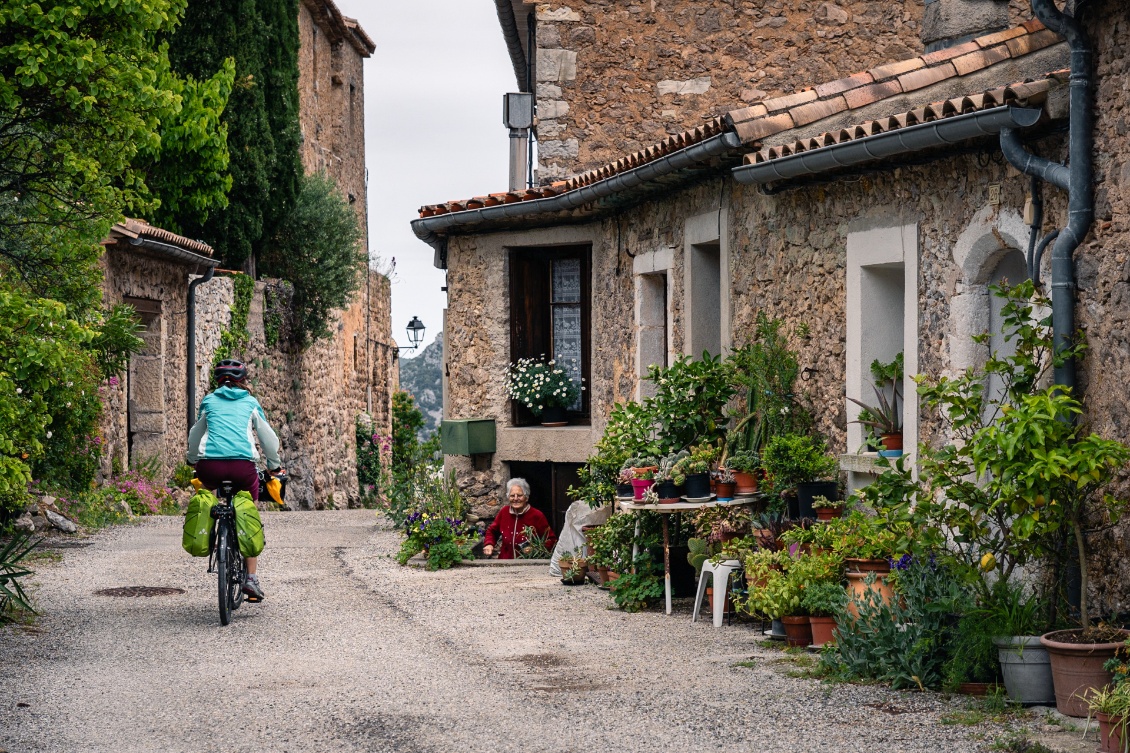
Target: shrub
<point>446,540</point>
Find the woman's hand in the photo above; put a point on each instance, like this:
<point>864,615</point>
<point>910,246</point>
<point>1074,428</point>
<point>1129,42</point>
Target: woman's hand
<point>488,550</point>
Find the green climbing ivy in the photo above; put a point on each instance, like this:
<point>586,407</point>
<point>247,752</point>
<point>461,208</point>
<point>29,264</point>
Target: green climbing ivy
<point>275,305</point>
<point>235,336</point>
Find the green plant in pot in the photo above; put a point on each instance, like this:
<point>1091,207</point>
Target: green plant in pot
<point>1017,619</point>
<point>745,466</point>
<point>825,508</point>
<point>1111,708</point>
<point>824,601</point>
<point>885,416</point>
<point>665,485</point>
<point>545,388</point>
<point>693,471</point>
<point>799,468</point>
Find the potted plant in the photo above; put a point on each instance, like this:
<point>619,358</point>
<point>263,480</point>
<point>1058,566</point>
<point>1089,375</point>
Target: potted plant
<point>776,596</point>
<point>624,483</point>
<point>724,484</point>
<point>800,468</point>
<point>1111,708</point>
<point>745,466</point>
<point>825,508</point>
<point>885,416</point>
<point>573,566</point>
<point>824,601</point>
<point>665,486</point>
<point>1024,662</point>
<point>693,471</point>
<point>545,388</point>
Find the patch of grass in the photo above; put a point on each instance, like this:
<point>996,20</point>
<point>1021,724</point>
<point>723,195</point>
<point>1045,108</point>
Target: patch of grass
<point>40,556</point>
<point>747,664</point>
<point>771,645</point>
<point>1019,743</point>
<point>994,707</point>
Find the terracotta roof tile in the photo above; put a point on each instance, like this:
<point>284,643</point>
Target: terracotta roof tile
<point>890,70</point>
<point>1033,25</point>
<point>1022,94</point>
<point>841,85</point>
<point>132,228</point>
<point>926,77</point>
<point>865,95</point>
<point>949,53</point>
<point>975,61</point>
<point>762,119</point>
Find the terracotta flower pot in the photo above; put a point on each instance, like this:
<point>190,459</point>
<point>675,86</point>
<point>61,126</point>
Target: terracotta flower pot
<point>892,441</point>
<point>746,483</point>
<point>857,572</point>
<point>828,513</point>
<point>823,630</point>
<point>729,606</point>
<point>1114,733</point>
<point>602,575</point>
<point>725,490</point>
<point>976,688</point>
<point>798,630</point>
<point>1077,668</point>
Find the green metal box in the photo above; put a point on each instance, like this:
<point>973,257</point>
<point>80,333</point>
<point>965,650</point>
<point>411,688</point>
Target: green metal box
<point>468,436</point>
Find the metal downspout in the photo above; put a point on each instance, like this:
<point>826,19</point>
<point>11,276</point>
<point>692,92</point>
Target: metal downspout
<point>1079,180</point>
<point>190,336</point>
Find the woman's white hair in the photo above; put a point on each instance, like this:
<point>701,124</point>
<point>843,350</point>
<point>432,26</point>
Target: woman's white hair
<point>521,483</point>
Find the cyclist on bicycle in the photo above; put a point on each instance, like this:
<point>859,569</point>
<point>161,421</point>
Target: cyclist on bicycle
<point>220,444</point>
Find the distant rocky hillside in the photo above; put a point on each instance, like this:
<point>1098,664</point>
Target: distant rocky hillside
<point>422,378</point>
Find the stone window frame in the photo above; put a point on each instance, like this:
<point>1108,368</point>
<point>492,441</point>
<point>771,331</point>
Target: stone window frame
<point>881,244</point>
<point>658,262</point>
<point>985,241</point>
<point>710,228</point>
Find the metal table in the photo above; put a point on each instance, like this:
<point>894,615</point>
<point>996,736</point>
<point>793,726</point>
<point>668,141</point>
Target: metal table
<point>629,505</point>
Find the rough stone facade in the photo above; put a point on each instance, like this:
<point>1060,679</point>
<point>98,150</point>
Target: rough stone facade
<point>789,256</point>
<point>313,397</point>
<point>155,381</point>
<point>614,77</point>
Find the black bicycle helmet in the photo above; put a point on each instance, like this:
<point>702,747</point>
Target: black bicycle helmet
<point>229,370</point>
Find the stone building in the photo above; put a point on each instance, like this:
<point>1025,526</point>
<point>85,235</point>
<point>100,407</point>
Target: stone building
<point>872,205</point>
<point>145,417</point>
<point>314,397</point>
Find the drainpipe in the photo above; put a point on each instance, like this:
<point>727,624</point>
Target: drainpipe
<point>1078,177</point>
<point>190,336</point>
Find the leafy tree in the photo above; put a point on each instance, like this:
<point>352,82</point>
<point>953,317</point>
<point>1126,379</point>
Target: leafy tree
<point>262,119</point>
<point>318,249</point>
<point>88,107</point>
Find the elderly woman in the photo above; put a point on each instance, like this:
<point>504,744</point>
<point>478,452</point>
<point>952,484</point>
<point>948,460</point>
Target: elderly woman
<point>508,529</point>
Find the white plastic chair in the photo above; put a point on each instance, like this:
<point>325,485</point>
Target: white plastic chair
<point>720,582</point>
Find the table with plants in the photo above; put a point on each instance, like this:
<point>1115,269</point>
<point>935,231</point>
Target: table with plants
<point>968,570</point>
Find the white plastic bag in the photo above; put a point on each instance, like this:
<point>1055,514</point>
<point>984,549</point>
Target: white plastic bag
<point>579,514</point>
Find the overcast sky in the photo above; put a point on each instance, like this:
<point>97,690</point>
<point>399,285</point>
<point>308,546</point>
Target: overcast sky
<point>433,130</point>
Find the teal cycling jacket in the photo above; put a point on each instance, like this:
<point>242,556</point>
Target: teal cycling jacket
<point>227,423</point>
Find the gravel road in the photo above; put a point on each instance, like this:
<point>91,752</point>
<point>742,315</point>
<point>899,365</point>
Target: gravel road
<point>350,652</point>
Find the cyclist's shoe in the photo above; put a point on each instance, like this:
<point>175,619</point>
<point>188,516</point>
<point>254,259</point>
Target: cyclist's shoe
<point>252,590</point>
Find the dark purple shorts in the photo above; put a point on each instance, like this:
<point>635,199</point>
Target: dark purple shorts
<point>242,473</point>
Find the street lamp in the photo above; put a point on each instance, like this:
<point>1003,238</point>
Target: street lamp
<point>415,331</point>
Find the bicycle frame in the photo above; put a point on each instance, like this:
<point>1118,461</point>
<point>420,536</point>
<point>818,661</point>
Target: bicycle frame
<point>225,559</point>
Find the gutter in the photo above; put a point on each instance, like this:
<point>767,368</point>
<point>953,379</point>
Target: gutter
<point>513,43</point>
<point>1077,179</point>
<point>433,230</point>
<point>175,252</point>
<point>190,337</point>
<point>885,145</point>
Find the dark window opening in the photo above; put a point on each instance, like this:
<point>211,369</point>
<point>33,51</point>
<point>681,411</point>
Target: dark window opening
<point>549,487</point>
<point>550,313</point>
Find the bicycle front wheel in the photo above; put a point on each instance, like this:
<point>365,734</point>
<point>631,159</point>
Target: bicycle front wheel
<point>223,557</point>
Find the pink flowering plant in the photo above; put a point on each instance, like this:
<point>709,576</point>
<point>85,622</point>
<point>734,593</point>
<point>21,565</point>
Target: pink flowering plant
<point>539,384</point>
<point>144,496</point>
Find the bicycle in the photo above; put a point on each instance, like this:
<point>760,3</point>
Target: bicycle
<point>225,559</point>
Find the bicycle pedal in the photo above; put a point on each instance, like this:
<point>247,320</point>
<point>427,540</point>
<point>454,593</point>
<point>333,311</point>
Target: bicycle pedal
<point>251,599</point>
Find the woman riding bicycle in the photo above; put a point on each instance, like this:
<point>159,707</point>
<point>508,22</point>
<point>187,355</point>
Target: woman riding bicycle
<point>221,448</point>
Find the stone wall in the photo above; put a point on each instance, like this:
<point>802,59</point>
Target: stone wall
<point>130,274</point>
<point>614,77</point>
<point>312,397</point>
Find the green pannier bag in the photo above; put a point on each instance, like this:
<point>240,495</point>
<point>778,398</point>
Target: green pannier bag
<point>198,524</point>
<point>248,526</point>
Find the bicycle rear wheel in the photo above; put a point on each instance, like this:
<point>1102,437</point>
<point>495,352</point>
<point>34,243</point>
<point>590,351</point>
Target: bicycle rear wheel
<point>223,557</point>
<point>235,574</point>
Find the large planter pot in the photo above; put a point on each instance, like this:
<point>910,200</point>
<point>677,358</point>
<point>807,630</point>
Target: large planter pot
<point>808,491</point>
<point>553,416</point>
<point>697,485</point>
<point>746,483</point>
<point>823,630</point>
<point>640,486</point>
<point>798,631</point>
<point>857,573</point>
<point>777,630</point>
<point>724,490</point>
<point>1114,733</point>
<point>668,492</point>
<point>1026,668</point>
<point>1077,668</point>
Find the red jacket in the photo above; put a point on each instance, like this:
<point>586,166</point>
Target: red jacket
<point>508,527</point>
